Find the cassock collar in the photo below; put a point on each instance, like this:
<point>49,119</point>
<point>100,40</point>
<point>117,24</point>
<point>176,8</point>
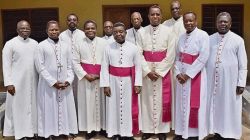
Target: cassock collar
<point>174,21</point>
<point>225,35</point>
<point>70,32</point>
<point>156,28</point>
<point>90,41</point>
<point>119,45</point>
<point>137,29</point>
<point>108,37</point>
<point>193,32</point>
<point>22,39</point>
<point>52,41</point>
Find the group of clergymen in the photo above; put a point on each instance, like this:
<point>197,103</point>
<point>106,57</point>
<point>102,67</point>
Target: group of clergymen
<point>144,80</point>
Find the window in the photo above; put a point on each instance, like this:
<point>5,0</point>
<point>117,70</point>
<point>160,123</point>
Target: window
<point>210,12</point>
<point>38,19</point>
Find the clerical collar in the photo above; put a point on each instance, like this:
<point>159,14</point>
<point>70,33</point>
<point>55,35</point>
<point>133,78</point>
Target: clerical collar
<point>55,40</point>
<point>136,29</point>
<point>21,38</point>
<point>90,40</point>
<point>191,31</point>
<point>155,27</point>
<point>120,43</point>
<point>176,19</point>
<point>108,36</point>
<point>72,30</point>
<point>224,34</point>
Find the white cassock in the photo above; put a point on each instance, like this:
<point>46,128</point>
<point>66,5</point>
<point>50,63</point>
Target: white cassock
<point>178,29</point>
<point>91,99</point>
<point>71,39</point>
<point>56,108</point>
<point>132,35</point>
<point>119,113</point>
<point>176,25</point>
<point>19,70</point>
<point>110,39</point>
<point>157,39</point>
<point>195,43</point>
<point>226,69</point>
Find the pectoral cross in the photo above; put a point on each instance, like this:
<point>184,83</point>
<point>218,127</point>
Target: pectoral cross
<point>59,66</point>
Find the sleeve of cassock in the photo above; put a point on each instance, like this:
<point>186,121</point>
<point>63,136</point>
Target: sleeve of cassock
<point>70,73</point>
<point>76,59</point>
<point>200,62</point>
<point>138,68</point>
<point>242,64</point>
<point>166,64</point>
<point>145,67</point>
<point>104,74</point>
<point>7,54</point>
<point>41,69</point>
<point>176,64</point>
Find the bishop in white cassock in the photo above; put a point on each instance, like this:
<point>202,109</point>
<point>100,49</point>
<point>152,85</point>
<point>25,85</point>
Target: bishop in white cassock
<point>87,59</point>
<point>20,78</point>
<point>121,85</point>
<point>56,106</point>
<point>191,86</point>
<point>158,50</point>
<point>133,33</point>
<point>177,26</point>
<point>227,72</point>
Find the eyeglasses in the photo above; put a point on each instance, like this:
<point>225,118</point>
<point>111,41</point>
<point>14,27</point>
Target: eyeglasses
<point>175,8</point>
<point>108,26</point>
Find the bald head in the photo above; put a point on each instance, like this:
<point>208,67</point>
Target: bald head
<point>175,8</point>
<point>136,20</point>
<point>23,29</point>
<point>108,28</point>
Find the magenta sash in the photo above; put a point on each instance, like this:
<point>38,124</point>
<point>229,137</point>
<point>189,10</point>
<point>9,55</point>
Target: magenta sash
<point>166,83</point>
<point>91,69</point>
<point>151,56</point>
<point>195,91</point>
<point>125,72</point>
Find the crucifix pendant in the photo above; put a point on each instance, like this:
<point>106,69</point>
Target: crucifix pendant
<point>59,66</point>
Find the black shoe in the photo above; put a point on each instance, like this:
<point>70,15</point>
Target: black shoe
<point>90,135</point>
<point>103,133</point>
<point>193,138</point>
<point>128,138</point>
<point>116,137</point>
<point>162,136</point>
<point>146,136</point>
<point>178,137</point>
<point>50,138</point>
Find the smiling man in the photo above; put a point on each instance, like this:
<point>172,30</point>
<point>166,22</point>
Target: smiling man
<point>20,78</point>
<point>191,87</point>
<point>227,72</point>
<point>122,81</point>
<point>158,50</point>
<point>87,56</point>
<point>176,22</point>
